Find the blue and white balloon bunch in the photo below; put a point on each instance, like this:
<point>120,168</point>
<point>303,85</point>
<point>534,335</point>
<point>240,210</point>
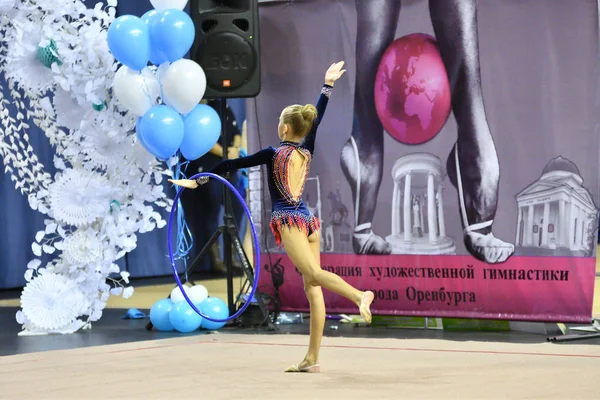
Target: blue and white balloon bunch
<point>166,102</point>
<point>176,314</point>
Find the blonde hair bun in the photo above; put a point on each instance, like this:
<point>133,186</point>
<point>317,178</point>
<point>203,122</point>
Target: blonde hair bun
<point>309,113</point>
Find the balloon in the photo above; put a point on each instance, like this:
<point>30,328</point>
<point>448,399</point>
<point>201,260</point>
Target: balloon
<point>159,315</point>
<point>412,92</point>
<point>161,5</point>
<point>172,34</point>
<point>177,296</point>
<point>156,57</point>
<point>129,41</point>
<point>138,132</point>
<point>202,128</point>
<point>183,85</point>
<point>162,130</point>
<point>198,294</point>
<point>183,318</point>
<point>138,92</point>
<point>214,308</point>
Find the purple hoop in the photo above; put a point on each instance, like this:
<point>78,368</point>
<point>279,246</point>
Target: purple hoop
<point>256,248</point>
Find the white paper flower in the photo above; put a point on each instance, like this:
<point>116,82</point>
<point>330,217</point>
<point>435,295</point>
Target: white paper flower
<point>79,197</point>
<point>69,113</point>
<point>105,151</point>
<point>22,64</point>
<point>82,247</point>
<point>51,301</point>
<point>7,5</point>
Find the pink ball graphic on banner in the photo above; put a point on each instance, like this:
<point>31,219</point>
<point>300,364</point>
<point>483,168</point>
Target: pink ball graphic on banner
<point>412,92</point>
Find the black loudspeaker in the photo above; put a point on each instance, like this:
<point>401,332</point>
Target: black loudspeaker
<point>227,46</point>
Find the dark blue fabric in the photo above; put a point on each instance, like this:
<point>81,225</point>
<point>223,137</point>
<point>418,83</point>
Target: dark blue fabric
<point>19,223</point>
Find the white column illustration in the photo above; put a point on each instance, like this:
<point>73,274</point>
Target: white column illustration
<point>577,225</point>
<point>519,219</point>
<point>395,213</point>
<point>570,224</point>
<point>544,226</point>
<point>583,226</point>
<point>440,205</point>
<point>562,227</point>
<point>431,209</point>
<point>421,215</point>
<point>529,226</point>
<point>407,208</point>
<point>418,225</point>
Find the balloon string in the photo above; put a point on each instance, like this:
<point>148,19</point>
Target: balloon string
<point>159,73</point>
<point>146,90</point>
<point>184,239</point>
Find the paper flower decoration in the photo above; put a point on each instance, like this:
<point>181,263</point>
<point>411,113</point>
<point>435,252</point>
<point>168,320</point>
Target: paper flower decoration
<point>79,197</point>
<point>68,113</point>
<point>106,151</point>
<point>55,57</point>
<point>82,247</point>
<point>22,64</point>
<point>7,5</point>
<point>51,301</point>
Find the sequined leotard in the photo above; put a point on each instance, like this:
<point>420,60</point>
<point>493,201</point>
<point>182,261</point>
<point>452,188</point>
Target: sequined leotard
<point>287,209</point>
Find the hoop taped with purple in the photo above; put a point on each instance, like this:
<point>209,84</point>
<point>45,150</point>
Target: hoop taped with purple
<point>254,237</point>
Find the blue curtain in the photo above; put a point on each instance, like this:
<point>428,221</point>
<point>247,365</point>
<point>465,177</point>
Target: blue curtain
<point>19,223</point>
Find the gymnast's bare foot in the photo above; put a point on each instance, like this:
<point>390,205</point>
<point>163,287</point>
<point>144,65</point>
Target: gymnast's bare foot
<point>364,241</point>
<point>488,248</point>
<point>365,306</point>
<point>477,186</point>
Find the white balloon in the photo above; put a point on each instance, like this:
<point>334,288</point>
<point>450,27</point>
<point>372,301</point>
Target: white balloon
<point>183,85</point>
<point>7,5</point>
<point>177,296</point>
<point>198,294</point>
<point>138,92</point>
<point>161,5</point>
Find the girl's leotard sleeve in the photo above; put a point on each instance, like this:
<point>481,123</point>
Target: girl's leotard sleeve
<point>321,106</point>
<point>259,158</point>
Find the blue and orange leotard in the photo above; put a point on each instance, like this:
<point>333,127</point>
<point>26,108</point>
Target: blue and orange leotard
<point>287,207</point>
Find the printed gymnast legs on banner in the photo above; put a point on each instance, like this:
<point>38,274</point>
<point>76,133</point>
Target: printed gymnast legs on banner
<point>473,166</point>
<point>305,253</point>
<point>362,156</point>
<point>455,25</point>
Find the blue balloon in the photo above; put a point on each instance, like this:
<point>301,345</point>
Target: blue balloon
<point>128,39</point>
<point>156,57</point>
<point>159,315</point>
<point>172,34</point>
<point>138,132</point>
<point>162,130</point>
<point>214,308</point>
<point>184,319</point>
<point>202,128</point>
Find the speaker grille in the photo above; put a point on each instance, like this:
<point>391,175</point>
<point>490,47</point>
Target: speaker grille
<point>242,24</point>
<point>209,25</point>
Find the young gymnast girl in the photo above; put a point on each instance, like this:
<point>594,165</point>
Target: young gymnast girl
<point>293,225</point>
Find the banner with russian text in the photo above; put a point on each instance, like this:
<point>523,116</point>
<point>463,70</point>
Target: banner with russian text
<point>455,171</point>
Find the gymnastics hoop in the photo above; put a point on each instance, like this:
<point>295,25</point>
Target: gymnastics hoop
<point>254,236</point>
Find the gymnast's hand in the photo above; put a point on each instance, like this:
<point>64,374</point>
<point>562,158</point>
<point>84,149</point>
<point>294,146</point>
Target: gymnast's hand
<point>334,73</point>
<point>188,183</point>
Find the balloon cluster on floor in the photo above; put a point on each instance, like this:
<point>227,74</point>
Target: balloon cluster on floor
<point>175,313</point>
<point>165,95</point>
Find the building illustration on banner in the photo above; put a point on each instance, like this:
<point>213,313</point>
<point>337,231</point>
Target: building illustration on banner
<point>556,213</point>
<point>418,225</point>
